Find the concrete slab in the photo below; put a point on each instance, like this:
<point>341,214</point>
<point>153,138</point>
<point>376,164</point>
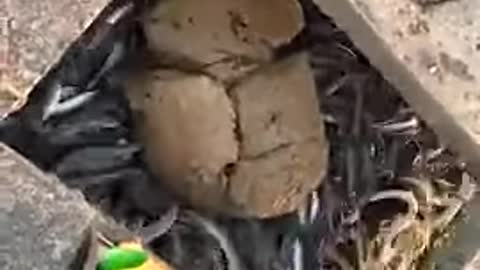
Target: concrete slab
<point>430,50</point>
<point>43,224</point>
<point>33,37</point>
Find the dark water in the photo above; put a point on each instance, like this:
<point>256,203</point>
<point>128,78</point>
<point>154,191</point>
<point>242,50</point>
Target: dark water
<point>462,250</point>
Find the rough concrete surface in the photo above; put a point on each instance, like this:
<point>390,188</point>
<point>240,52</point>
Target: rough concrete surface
<point>42,223</point>
<point>33,37</point>
<point>430,50</point>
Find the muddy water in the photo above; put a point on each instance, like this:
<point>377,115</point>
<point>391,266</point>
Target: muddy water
<point>462,250</point>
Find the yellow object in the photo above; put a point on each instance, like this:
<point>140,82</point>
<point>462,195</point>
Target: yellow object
<point>153,262</point>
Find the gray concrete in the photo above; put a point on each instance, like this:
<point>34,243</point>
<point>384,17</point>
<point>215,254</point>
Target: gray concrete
<point>42,223</point>
<point>33,37</point>
<point>431,53</point>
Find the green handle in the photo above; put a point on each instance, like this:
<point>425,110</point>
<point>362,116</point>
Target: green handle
<point>120,258</point>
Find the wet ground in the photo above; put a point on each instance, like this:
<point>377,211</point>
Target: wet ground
<point>390,187</point>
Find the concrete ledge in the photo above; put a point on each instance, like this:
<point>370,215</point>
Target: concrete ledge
<point>430,50</point>
<point>42,223</point>
<point>33,37</point>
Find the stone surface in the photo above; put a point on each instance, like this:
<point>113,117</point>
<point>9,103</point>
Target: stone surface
<point>256,149</point>
<point>42,223</point>
<point>33,37</point>
<point>430,50</point>
<point>221,35</point>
